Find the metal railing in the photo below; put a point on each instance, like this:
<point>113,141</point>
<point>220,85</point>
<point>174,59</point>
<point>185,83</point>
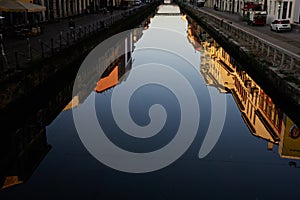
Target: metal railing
<point>12,61</point>
<point>281,58</point>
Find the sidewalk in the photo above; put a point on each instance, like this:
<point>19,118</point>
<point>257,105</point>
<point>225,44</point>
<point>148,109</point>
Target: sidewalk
<point>287,40</point>
<point>55,31</point>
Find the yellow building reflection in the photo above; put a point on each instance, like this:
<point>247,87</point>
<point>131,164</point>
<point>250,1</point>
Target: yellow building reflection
<point>261,115</point>
<point>289,146</point>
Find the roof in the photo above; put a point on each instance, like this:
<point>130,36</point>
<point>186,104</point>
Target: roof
<point>19,6</point>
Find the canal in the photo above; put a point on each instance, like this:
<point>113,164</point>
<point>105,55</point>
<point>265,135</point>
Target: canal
<point>158,112</point>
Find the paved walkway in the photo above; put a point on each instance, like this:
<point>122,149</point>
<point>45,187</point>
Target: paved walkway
<point>286,40</point>
<point>50,30</point>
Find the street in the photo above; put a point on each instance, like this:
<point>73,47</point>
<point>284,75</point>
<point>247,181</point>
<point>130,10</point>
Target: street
<point>287,40</point>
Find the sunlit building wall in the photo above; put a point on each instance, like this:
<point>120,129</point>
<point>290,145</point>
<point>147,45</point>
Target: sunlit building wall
<point>276,9</point>
<point>66,8</point>
<point>284,9</point>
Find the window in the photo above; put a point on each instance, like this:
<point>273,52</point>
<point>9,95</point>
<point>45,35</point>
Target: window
<point>279,10</point>
<point>284,9</point>
<point>290,9</point>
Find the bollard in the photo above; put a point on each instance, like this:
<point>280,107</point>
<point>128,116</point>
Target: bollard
<point>52,46</point>
<point>1,66</point>
<point>74,35</point>
<point>274,55</point>
<point>282,59</point>
<point>79,32</point>
<point>29,51</point>
<point>17,61</point>
<point>97,25</point>
<point>67,39</point>
<point>60,40</point>
<point>42,49</point>
<point>30,54</point>
<point>292,63</point>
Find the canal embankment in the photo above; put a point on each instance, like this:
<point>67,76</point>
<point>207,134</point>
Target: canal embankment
<point>273,67</point>
<point>46,72</point>
<point>29,86</point>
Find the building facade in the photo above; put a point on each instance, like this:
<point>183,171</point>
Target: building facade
<point>284,9</point>
<point>66,8</point>
<point>277,9</point>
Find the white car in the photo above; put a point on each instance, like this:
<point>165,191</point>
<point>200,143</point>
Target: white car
<point>281,25</point>
<point>137,2</point>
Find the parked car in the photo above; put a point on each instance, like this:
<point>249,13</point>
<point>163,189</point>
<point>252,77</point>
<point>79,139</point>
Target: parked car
<point>137,2</point>
<point>200,3</point>
<point>280,25</point>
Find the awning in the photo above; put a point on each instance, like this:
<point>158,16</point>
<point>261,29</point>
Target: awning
<point>19,6</point>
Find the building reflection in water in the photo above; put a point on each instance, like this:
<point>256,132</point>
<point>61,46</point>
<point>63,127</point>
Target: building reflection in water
<point>22,149</point>
<point>261,115</point>
<point>115,71</point>
<point>23,152</point>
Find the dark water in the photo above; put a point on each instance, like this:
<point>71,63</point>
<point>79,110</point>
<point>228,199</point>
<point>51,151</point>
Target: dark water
<point>180,120</point>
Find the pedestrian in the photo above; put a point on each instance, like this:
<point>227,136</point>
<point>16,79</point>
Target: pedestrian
<point>72,28</point>
<point>71,24</point>
<point>215,7</point>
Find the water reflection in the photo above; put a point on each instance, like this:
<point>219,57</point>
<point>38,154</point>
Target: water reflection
<point>24,147</point>
<point>236,163</point>
<point>261,115</point>
<point>24,152</point>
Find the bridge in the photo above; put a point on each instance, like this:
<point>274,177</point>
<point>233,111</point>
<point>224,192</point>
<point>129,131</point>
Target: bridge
<point>168,14</point>
<point>168,10</point>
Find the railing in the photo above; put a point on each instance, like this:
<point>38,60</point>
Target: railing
<point>13,61</point>
<point>281,58</point>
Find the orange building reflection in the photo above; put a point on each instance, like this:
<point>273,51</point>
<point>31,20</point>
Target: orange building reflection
<point>24,148</point>
<point>19,160</point>
<point>108,82</point>
<point>115,70</point>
